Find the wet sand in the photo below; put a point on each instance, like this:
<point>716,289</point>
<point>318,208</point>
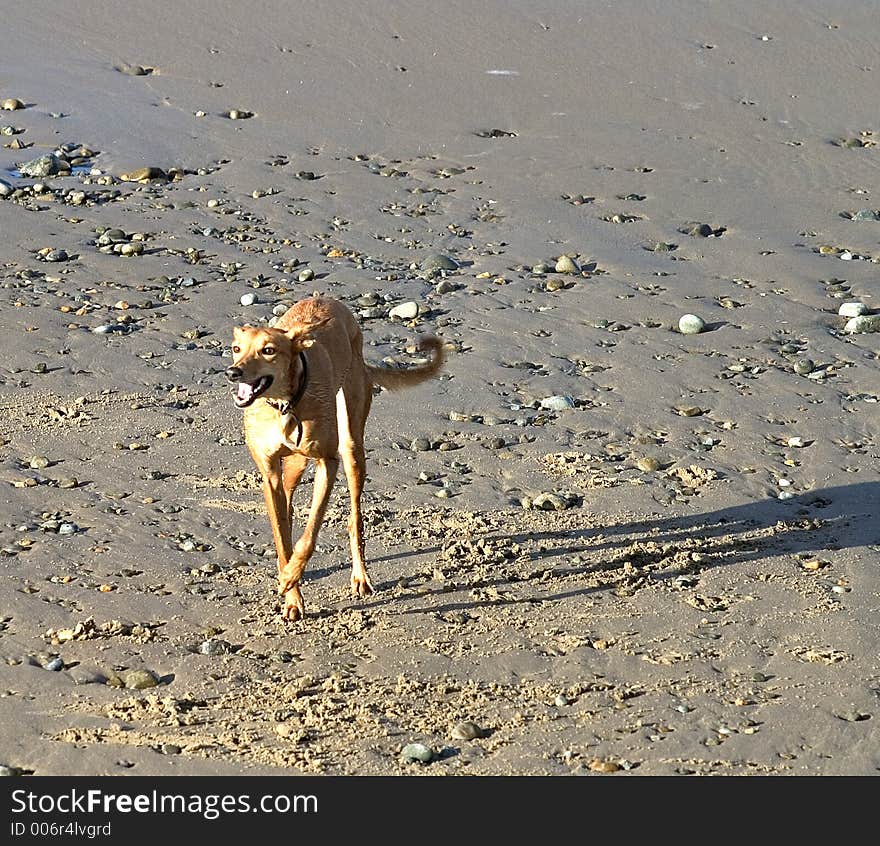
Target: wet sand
<point>612,546</point>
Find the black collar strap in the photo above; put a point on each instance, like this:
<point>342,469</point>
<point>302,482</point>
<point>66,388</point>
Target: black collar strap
<point>287,407</point>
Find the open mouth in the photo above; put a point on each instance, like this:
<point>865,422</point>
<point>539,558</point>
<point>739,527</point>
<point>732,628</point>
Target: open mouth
<point>246,392</point>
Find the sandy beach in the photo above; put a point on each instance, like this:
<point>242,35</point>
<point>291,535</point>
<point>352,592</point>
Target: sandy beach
<point>602,545</point>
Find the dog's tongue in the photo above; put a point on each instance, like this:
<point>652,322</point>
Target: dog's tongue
<point>245,391</point>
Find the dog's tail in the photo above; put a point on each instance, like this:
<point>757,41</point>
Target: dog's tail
<point>394,379</point>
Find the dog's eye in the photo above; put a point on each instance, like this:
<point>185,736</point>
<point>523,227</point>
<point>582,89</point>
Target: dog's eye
<point>269,350</point>
<point>236,350</point>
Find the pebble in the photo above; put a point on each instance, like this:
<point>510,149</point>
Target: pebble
<point>170,749</point>
<point>5,189</point>
<point>9,771</point>
<point>11,104</point>
<point>248,299</point>
<point>56,255</point>
<point>803,366</point>
<point>853,716</point>
<point>466,731</point>
<point>214,647</point>
<point>691,324</point>
<point>558,402</point>
<point>68,529</point>
<point>54,664</point>
<point>561,700</point>
<point>48,165</point>
<point>854,309</point>
<point>863,324</point>
<point>597,765</point>
<point>446,286</point>
<point>38,462</point>
<point>144,174</point>
<point>239,114</point>
<point>85,675</point>
<point>437,262</point>
<point>306,275</point>
<point>564,264</point>
<point>549,502</point>
<point>648,464</point>
<point>405,311</point>
<point>138,679</point>
<point>413,752</point>
<point>795,441</point>
<point>420,445</point>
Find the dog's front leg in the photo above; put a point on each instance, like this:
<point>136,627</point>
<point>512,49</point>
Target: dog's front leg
<point>290,576</point>
<point>276,507</point>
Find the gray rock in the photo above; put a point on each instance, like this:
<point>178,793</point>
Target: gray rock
<point>56,255</point>
<point>446,286</point>
<point>691,324</point>
<point>6,770</point>
<point>38,462</point>
<point>863,324</point>
<point>5,189</point>
<point>420,445</point>
<point>214,647</point>
<point>853,309</point>
<point>550,502</point>
<point>49,165</point>
<point>54,664</point>
<point>170,749</point>
<point>417,752</point>
<point>558,402</point>
<point>306,275</point>
<point>803,366</point>
<point>86,675</point>
<point>436,262</point>
<point>405,311</point>
<point>68,529</point>
<point>248,299</point>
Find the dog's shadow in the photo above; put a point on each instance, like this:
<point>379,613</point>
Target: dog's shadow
<point>835,518</point>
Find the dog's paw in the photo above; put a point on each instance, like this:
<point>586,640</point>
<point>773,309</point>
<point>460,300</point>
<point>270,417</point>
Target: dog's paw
<point>361,586</point>
<point>294,608</point>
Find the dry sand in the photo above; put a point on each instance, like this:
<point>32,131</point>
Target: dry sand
<point>682,619</point>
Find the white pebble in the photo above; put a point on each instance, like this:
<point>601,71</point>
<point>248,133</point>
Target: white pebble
<point>691,324</point>
<point>855,309</point>
<point>248,299</point>
<point>405,311</point>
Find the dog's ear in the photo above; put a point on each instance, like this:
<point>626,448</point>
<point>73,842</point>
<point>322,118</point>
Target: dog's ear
<point>301,336</point>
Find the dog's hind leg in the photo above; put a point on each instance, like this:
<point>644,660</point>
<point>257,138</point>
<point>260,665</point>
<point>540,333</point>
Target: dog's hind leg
<point>290,576</point>
<point>351,451</point>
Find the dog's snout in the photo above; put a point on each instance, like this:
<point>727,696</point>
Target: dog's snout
<point>233,374</point>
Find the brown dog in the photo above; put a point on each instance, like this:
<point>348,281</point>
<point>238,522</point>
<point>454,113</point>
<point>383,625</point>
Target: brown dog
<point>306,391</point>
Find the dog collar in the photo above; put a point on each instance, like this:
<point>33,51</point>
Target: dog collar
<point>287,407</point>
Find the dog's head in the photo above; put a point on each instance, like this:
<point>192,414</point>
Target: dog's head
<point>262,360</point>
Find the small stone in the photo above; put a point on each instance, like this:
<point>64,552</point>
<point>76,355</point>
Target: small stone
<point>690,411</point>
<point>466,731</point>
<point>446,286</point>
<point>863,324</point>
<point>760,678</point>
<point>853,716</point>
<point>549,502</point>
<point>38,462</point>
<point>49,165</point>
<point>803,366</point>
<point>648,464</point>
<point>795,442</point>
<point>437,262</point>
<point>104,329</point>
<point>239,114</point>
<point>691,324</point>
<point>54,664</point>
<point>5,189</point>
<point>561,700</point>
<point>417,752</point>
<point>248,299</point>
<point>558,402</point>
<point>138,679</point>
<point>144,174</point>
<point>405,311</point>
<point>56,255</point>
<point>6,771</point>
<point>214,647</point>
<point>564,264</point>
<point>86,675</point>
<point>854,309</point>
<point>420,445</point>
<point>68,529</point>
<point>133,249</point>
<point>170,749</point>
<point>597,765</point>
<point>11,104</point>
<point>306,275</point>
